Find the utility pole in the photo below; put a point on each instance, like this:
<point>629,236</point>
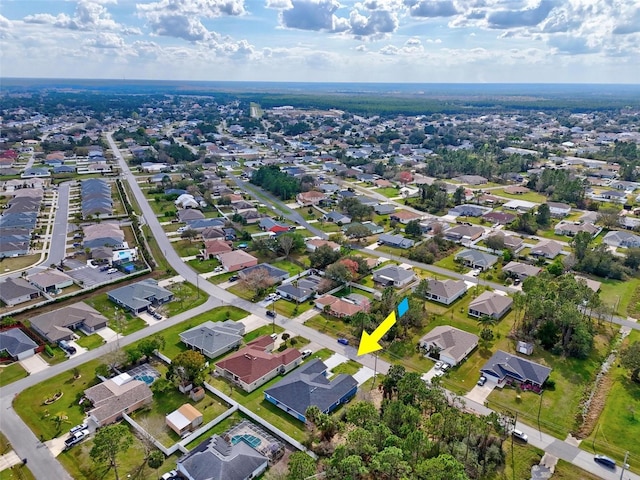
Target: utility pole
<point>624,464</point>
<point>539,409</point>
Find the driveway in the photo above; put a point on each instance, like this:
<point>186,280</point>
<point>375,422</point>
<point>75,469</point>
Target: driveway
<point>362,375</point>
<point>107,334</point>
<point>34,364</point>
<point>480,393</point>
<point>87,275</point>
<point>335,360</point>
<point>433,372</point>
<point>252,322</point>
<point>79,350</point>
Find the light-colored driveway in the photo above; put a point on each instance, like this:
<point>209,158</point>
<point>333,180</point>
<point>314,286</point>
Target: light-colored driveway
<point>56,445</point>
<point>252,322</point>
<point>79,350</point>
<point>107,334</point>
<point>34,364</point>
<point>148,318</point>
<point>362,375</point>
<point>8,460</point>
<point>335,360</point>
<point>167,282</point>
<point>433,372</point>
<point>480,393</point>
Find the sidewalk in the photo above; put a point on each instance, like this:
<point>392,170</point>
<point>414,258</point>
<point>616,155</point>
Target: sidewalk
<point>8,460</point>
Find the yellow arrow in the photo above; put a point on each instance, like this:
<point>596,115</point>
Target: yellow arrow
<point>369,343</point>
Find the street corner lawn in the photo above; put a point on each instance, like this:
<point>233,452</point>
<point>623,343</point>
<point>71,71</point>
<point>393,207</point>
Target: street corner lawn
<point>185,297</point>
<point>291,309</point>
<point>17,472</point>
<point>40,417</point>
<point>203,266</point>
<point>91,341</point>
<point>11,373</point>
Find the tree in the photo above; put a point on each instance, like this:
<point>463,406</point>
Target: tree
<point>133,354</point>
<point>108,443</point>
<point>323,256</point>
<point>580,244</point>
<point>148,346</point>
<point>442,467</point>
<point>495,242</point>
<point>338,272</point>
<point>543,217</point>
<point>257,281</point>
<point>362,414</point>
<point>413,229</point>
<point>290,242</point>
<point>630,358</point>
<point>155,460</point>
<point>390,464</point>
<point>632,259</point>
<point>390,382</point>
<point>459,195</point>
<point>357,231</point>
<point>355,209</point>
<point>189,234</point>
<point>301,466</point>
<point>60,419</point>
<point>609,217</point>
<point>187,367</point>
<point>422,289</point>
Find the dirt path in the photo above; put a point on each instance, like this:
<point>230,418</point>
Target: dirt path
<point>597,405</point>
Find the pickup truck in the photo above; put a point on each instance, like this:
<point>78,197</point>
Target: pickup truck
<point>76,438</point>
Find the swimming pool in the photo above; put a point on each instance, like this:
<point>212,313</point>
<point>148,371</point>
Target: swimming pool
<point>251,440</point>
<point>148,379</point>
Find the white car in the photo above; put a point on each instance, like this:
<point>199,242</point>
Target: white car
<point>306,353</point>
<point>520,435</point>
<point>438,365</point>
<point>169,475</point>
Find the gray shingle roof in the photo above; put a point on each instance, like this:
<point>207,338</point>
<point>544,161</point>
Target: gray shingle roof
<point>140,294</point>
<point>217,459</point>
<point>503,364</point>
<point>212,336</point>
<point>477,257</point>
<point>14,288</point>
<point>308,386</point>
<point>15,342</point>
<point>394,272</point>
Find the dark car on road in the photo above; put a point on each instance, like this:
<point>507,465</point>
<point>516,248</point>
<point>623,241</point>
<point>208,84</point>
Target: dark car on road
<point>271,313</point>
<point>605,461</point>
<point>343,341</point>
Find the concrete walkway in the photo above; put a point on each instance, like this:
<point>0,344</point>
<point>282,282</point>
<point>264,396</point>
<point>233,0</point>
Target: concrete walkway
<point>8,460</point>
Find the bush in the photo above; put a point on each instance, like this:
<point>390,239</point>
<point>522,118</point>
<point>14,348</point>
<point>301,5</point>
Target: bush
<point>549,384</point>
<point>49,351</point>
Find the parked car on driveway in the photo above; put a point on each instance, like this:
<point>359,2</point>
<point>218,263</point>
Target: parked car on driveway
<point>438,365</point>
<point>76,438</point>
<point>306,353</point>
<point>482,380</point>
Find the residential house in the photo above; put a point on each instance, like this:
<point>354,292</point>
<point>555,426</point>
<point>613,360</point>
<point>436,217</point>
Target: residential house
<point>571,229</point>
<point>621,239</point>
<point>449,344</point>
<point>115,397</point>
<point>394,275</point>
<point>516,190</point>
<point>242,206</point>
<point>256,364</point>
<point>464,233</point>
<point>184,420</point>
<point>251,216</point>
<point>213,339</point>
<point>382,183</point>
<point>501,218</point>
<point>138,297</point>
<point>520,205</point>
<point>337,217</point>
<point>186,200</point>
<point>104,234</point>
<point>491,304</point>
<point>593,285</point>
<point>445,291</point>
<point>189,215</point>
<point>275,274</point>
<point>339,307</point>
<point>220,459</point>
<point>614,196</point>
<point>405,216</point>
<point>547,248</point>
<point>558,209</point>
<point>236,260</point>
<point>268,224</point>
<point>372,227</point>
<point>476,259</point>
<point>512,242</point>
<point>309,386</point>
<point>468,211</point>
<point>520,271</point>
<point>397,241</point>
<point>310,198</point>
<point>503,366</point>
<point>14,291</point>
<point>384,208</point>
<point>15,344</point>
<point>300,290</point>
<point>214,247</point>
<point>314,243</point>
<point>58,324</point>
<point>50,281</point>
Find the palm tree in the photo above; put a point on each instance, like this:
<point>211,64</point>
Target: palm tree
<point>487,321</point>
<point>59,419</point>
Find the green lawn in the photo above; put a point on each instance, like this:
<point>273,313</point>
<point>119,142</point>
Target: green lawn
<point>90,342</point>
<point>17,472</point>
<point>288,308</point>
<point>290,267</point>
<point>11,373</point>
<point>262,331</point>
<point>529,196</point>
<point>333,327</point>
<point>173,346</point>
<point>131,463</point>
<point>239,291</point>
<point>203,266</point>
<point>389,192</point>
<point>186,297</point>
<point>223,277</point>
<point>618,429</point>
<point>187,248</point>
<point>153,418</point>
<point>349,367</point>
<point>218,428</point>
<point>450,264</point>
<point>29,403</point>
<point>620,293</point>
<point>327,227</point>
<point>399,252</point>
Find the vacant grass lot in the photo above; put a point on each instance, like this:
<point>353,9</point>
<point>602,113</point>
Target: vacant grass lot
<point>261,331</point>
<point>186,297</point>
<point>618,429</point>
<point>17,263</point>
<point>450,264</point>
<point>529,196</point>
<point>349,368</point>
<point>187,248</point>
<point>389,192</point>
<point>11,373</point>
<point>203,266</point>
<point>288,308</point>
<point>17,472</point>
<point>90,342</point>
<point>619,293</point>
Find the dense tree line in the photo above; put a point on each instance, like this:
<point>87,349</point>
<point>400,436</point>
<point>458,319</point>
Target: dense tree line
<point>559,186</point>
<point>276,181</point>
<point>415,434</point>
<point>556,313</point>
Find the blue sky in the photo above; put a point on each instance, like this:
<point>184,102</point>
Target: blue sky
<point>578,41</point>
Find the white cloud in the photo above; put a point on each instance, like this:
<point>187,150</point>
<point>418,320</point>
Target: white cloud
<point>431,8</point>
<point>377,24</point>
<point>106,40</point>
